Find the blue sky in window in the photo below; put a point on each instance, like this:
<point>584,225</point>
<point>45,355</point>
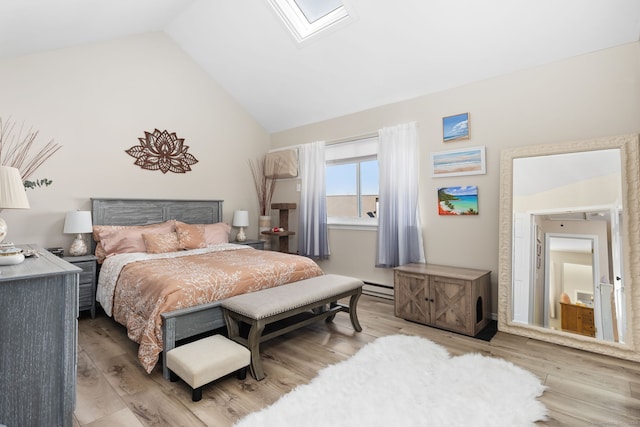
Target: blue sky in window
<point>314,9</point>
<point>341,179</point>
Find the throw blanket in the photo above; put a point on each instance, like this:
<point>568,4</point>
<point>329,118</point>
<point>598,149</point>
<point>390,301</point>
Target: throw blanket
<point>148,285</point>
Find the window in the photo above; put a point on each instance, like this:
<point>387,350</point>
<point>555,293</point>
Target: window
<point>352,182</point>
<point>306,18</point>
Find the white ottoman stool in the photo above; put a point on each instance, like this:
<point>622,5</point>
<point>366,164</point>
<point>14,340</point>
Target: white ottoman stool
<point>201,362</point>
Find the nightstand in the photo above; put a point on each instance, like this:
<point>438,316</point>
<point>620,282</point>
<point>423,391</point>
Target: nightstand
<point>257,244</point>
<point>87,283</point>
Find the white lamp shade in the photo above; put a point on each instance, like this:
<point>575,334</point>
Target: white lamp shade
<point>77,222</point>
<point>241,219</point>
<point>12,192</point>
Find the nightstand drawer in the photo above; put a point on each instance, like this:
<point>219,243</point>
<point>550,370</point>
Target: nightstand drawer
<point>85,296</point>
<point>256,244</point>
<point>86,281</point>
<point>88,271</point>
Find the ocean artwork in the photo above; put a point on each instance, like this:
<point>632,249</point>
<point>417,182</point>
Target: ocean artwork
<point>470,161</point>
<point>458,200</point>
<point>455,127</point>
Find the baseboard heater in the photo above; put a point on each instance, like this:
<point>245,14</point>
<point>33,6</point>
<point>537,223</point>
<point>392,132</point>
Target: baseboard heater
<point>378,290</point>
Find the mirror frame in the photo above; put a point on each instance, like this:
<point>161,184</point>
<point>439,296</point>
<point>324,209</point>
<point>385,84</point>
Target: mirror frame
<point>629,146</point>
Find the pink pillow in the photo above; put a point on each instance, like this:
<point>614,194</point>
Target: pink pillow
<point>157,243</point>
<point>217,233</point>
<point>190,236</point>
<point>101,254</point>
<point>119,239</point>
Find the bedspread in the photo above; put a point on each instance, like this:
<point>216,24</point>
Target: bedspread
<point>148,285</point>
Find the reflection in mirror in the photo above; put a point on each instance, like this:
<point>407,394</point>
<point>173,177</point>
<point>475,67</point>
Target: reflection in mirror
<point>564,249</point>
<point>562,204</point>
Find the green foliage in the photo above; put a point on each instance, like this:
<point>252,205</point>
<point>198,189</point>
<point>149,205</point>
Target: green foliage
<point>44,182</point>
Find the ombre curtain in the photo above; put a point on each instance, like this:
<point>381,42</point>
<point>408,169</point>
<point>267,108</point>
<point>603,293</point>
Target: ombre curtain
<point>313,240</point>
<point>399,230</point>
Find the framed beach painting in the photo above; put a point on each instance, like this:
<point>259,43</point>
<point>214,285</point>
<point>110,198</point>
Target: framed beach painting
<point>455,128</point>
<point>468,161</point>
<point>458,200</point>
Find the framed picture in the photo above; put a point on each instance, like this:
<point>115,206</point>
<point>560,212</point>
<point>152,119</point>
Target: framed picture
<point>468,161</point>
<point>458,200</point>
<point>455,128</point>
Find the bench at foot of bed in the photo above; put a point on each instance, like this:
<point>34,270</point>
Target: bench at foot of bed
<point>288,307</point>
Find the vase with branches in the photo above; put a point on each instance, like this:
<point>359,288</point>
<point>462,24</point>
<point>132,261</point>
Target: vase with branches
<point>17,150</point>
<point>265,184</point>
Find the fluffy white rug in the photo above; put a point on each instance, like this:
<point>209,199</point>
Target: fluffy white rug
<point>410,381</point>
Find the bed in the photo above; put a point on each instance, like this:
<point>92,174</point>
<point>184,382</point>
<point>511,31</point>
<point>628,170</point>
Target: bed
<point>167,316</point>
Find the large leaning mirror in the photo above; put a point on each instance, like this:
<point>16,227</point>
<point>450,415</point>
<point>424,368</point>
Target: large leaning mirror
<point>570,242</point>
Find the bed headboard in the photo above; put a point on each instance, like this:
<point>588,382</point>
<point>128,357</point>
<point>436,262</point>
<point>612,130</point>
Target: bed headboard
<point>150,211</point>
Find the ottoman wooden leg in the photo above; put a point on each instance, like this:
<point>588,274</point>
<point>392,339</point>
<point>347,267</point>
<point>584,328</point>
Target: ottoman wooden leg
<point>242,373</point>
<point>196,394</point>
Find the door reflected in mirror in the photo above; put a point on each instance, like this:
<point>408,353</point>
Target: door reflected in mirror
<point>567,264</point>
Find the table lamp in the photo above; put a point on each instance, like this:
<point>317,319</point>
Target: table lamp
<point>78,222</point>
<point>12,194</point>
<point>241,219</point>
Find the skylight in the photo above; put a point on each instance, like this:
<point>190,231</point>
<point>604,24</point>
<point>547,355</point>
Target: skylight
<point>306,18</point>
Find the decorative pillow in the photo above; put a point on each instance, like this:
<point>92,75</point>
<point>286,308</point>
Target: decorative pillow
<point>157,243</point>
<point>101,254</point>
<point>126,239</point>
<point>190,236</point>
<point>217,233</point>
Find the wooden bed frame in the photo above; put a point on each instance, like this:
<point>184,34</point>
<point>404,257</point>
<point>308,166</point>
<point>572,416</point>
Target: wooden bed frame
<point>178,324</point>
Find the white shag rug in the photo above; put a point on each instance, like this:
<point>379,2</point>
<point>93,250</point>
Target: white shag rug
<point>403,380</point>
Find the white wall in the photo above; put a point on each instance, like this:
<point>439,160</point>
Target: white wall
<point>96,101</point>
<point>580,98</point>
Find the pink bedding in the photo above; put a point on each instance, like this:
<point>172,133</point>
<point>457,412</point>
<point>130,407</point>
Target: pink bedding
<point>145,289</point>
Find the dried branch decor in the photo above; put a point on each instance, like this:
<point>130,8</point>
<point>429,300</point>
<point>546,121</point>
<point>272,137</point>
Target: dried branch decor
<point>16,151</point>
<point>265,186</point>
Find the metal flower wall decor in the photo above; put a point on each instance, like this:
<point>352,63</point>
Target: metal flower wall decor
<point>164,151</point>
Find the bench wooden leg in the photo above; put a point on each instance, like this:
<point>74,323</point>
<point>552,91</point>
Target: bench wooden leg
<point>353,312</point>
<point>254,346</point>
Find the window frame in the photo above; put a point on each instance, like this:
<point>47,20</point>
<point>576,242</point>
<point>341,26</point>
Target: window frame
<point>363,222</point>
<point>298,25</point>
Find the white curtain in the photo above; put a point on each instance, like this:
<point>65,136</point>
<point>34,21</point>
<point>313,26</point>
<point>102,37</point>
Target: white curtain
<point>399,230</point>
<point>313,240</point>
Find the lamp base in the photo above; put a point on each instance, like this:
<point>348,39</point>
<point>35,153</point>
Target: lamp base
<point>3,229</point>
<point>78,247</point>
<point>241,237</point>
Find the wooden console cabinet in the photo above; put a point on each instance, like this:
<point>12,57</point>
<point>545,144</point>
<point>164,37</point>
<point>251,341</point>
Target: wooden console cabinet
<point>452,298</point>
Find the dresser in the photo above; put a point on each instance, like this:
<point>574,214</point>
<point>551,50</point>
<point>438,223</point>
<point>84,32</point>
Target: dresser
<point>578,319</point>
<point>38,336</point>
<point>452,298</point>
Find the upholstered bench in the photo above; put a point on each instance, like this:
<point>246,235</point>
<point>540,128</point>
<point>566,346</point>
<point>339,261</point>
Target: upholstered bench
<point>200,362</point>
<point>286,308</point>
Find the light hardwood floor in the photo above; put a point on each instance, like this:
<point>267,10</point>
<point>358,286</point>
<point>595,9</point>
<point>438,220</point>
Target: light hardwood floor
<point>113,390</point>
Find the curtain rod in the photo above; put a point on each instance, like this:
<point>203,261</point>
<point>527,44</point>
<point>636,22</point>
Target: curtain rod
<point>333,142</point>
<point>351,138</point>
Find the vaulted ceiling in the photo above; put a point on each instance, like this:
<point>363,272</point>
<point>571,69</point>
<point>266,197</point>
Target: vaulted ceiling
<point>391,51</point>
